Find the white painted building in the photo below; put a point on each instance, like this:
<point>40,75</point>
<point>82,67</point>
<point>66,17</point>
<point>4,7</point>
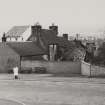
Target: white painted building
<point>18,33</point>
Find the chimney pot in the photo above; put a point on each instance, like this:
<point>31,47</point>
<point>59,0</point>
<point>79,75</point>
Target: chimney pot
<point>54,28</point>
<point>65,36</point>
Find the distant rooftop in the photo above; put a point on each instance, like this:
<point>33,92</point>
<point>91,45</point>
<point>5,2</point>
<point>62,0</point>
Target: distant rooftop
<point>16,31</point>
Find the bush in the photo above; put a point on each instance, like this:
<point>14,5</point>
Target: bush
<point>26,70</point>
<point>10,71</point>
<point>40,70</point>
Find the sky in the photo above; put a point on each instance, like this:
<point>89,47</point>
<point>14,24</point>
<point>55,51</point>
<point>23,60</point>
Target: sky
<point>70,15</point>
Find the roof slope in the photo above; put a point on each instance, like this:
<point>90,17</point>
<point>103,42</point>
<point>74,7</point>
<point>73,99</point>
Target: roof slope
<point>16,31</point>
<point>26,48</point>
<point>49,37</point>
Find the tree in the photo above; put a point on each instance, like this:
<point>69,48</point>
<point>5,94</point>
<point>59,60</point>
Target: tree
<point>76,54</point>
<point>100,58</point>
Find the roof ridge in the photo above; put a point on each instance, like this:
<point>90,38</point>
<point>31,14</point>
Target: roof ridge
<point>21,25</point>
<point>17,30</point>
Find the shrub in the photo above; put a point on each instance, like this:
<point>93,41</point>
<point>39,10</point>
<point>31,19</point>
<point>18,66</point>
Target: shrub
<point>26,70</point>
<point>40,70</point>
<point>10,71</point>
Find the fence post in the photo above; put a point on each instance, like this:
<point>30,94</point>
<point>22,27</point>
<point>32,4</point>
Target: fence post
<point>90,71</point>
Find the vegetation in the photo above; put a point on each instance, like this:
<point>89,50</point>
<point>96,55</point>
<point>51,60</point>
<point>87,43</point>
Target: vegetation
<point>100,58</point>
<point>74,52</point>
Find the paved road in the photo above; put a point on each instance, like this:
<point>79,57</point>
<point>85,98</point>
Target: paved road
<point>48,90</point>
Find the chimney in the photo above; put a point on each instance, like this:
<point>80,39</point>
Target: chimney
<point>65,36</point>
<point>35,30</point>
<point>77,36</point>
<point>54,28</point>
<point>4,38</point>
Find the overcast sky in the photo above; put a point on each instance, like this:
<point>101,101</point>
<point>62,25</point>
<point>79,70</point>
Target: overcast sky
<point>69,15</point>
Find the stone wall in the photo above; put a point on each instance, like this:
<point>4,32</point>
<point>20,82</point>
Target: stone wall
<point>54,67</point>
<point>97,71</point>
<point>91,70</point>
<point>85,68</point>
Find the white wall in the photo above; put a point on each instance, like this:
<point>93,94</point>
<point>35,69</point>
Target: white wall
<point>11,40</point>
<point>85,69</point>
<point>26,34</point>
<point>22,38</point>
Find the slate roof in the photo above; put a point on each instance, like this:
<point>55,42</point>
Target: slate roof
<point>65,43</point>
<point>49,37</point>
<point>26,48</point>
<point>16,31</point>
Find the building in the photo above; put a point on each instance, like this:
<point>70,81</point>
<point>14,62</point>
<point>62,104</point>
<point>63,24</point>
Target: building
<point>13,53</point>
<point>48,39</point>
<point>23,33</point>
<point>18,33</point>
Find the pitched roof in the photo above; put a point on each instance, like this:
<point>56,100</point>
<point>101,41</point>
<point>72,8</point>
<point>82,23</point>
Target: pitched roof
<point>49,37</point>
<point>65,43</point>
<point>26,48</point>
<point>16,31</point>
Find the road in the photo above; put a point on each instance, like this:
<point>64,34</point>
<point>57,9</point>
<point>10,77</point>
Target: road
<point>48,90</point>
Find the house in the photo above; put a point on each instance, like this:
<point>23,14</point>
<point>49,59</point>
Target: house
<point>18,33</point>
<point>22,33</point>
<point>13,53</point>
<point>48,39</point>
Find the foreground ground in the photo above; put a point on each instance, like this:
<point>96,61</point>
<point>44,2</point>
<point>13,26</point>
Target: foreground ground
<point>49,90</point>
